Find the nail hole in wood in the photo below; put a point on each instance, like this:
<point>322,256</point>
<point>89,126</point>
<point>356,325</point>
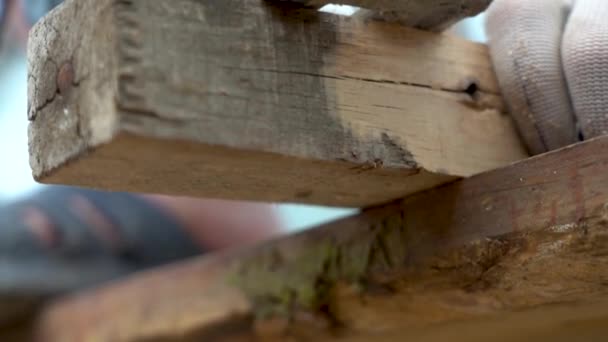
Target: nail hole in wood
<point>471,89</point>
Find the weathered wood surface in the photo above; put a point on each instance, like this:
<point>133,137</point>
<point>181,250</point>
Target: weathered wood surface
<point>424,14</point>
<point>531,234</point>
<point>584,321</point>
<point>239,99</point>
<point>565,322</point>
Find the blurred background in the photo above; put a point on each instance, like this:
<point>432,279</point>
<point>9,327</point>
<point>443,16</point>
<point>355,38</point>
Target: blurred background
<point>15,174</point>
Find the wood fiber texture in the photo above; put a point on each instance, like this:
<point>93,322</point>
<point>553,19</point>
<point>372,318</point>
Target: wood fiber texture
<point>531,235</point>
<point>240,99</point>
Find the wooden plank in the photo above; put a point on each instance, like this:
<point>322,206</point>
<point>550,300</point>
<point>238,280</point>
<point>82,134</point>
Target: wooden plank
<point>565,322</point>
<point>424,14</point>
<point>531,234</point>
<point>242,100</point>
<point>582,321</point>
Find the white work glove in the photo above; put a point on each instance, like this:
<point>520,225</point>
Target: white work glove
<point>551,59</point>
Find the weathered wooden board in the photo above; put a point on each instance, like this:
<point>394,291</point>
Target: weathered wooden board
<point>424,14</point>
<point>531,234</point>
<point>239,99</point>
<point>584,321</point>
<point>565,322</point>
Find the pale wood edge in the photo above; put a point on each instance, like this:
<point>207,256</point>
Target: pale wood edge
<point>141,164</point>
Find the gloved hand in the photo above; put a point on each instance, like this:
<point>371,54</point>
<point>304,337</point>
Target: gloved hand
<point>551,60</point>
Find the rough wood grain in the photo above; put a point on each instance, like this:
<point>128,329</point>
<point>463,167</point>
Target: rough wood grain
<point>565,322</point>
<point>582,321</point>
<point>243,100</point>
<point>529,235</point>
<point>424,14</point>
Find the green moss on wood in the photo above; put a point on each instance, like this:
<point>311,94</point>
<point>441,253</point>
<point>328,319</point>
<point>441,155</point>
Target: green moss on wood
<point>300,273</point>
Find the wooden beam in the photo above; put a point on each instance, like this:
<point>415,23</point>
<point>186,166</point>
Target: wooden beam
<point>564,322</point>
<point>524,236</point>
<point>239,99</point>
<point>579,321</point>
<point>423,14</point>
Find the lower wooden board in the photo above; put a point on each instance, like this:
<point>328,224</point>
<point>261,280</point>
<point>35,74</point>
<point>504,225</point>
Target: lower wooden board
<point>529,235</point>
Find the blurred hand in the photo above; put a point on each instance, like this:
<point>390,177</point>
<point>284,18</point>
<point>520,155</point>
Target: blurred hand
<point>63,239</point>
<point>217,224</point>
<point>551,59</point>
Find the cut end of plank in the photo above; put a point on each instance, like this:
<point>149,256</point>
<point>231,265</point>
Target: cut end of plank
<point>282,105</point>
<point>70,93</point>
